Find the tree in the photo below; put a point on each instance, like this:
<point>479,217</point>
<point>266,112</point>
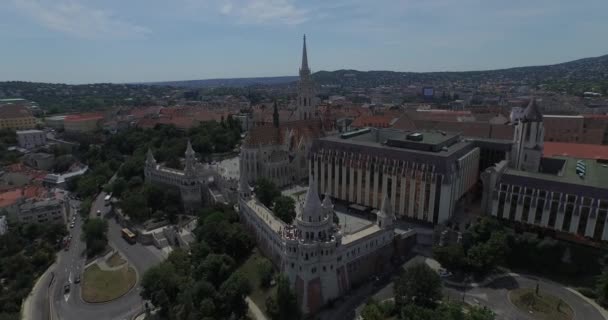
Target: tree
<point>265,271</point>
<point>233,293</point>
<point>602,287</point>
<point>480,313</point>
<point>418,285</point>
<point>284,305</point>
<point>215,269</point>
<point>485,256</point>
<point>94,233</point>
<point>451,257</point>
<point>285,208</point>
<point>266,191</point>
<point>374,310</point>
<point>118,187</point>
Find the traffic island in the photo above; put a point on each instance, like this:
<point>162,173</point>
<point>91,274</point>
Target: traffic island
<point>540,305</point>
<point>106,285</point>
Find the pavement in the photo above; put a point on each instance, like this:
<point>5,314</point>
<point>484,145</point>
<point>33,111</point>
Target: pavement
<point>254,310</point>
<point>70,306</point>
<point>494,294</point>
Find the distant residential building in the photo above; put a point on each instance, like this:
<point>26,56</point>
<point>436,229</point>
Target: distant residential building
<point>60,180</point>
<point>29,139</point>
<point>55,122</point>
<point>39,160</point>
<point>3,225</point>
<point>85,122</point>
<point>42,211</point>
<point>16,117</point>
<point>246,120</point>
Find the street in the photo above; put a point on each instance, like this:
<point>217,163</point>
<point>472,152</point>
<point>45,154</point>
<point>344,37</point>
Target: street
<point>70,264</point>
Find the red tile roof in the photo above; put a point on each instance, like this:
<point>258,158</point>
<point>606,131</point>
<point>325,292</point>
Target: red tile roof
<point>9,198</point>
<point>380,121</point>
<point>84,116</point>
<point>576,150</point>
<point>14,111</point>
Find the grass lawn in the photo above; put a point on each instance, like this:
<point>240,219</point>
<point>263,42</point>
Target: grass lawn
<point>250,271</point>
<point>115,260</point>
<point>100,286</point>
<point>542,307</point>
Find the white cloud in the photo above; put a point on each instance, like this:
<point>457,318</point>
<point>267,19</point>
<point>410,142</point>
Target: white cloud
<point>264,11</point>
<point>73,18</point>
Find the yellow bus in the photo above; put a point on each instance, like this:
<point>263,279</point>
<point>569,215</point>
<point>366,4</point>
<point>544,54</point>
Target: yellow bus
<point>128,235</point>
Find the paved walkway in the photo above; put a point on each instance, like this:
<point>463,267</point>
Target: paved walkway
<point>255,310</point>
<point>102,262</point>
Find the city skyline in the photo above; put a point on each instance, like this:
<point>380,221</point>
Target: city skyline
<point>110,41</point>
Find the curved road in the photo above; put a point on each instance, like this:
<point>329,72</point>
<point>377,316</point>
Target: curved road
<point>70,306</point>
<point>495,296</point>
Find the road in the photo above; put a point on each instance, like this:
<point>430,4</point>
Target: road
<point>495,297</point>
<point>71,263</point>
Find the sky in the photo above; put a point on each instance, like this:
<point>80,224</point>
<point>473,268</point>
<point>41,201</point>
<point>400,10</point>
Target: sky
<point>86,41</point>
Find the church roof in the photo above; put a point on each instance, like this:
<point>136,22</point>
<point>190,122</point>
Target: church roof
<point>532,112</point>
<point>269,135</point>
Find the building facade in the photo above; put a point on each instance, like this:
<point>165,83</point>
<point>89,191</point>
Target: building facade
<point>43,211</point>
<point>279,152</point>
<point>565,195</point>
<point>197,183</point>
<point>424,174</point>
<point>29,139</point>
<point>16,117</point>
<point>321,261</point>
<point>86,122</point>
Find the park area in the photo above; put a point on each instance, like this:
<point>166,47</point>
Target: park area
<point>541,305</point>
<point>107,280</point>
<point>252,269</point>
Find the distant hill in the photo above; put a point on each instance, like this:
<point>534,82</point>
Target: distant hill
<point>589,73</point>
<point>230,82</point>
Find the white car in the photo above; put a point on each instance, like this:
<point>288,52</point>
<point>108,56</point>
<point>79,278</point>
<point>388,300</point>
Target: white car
<point>71,225</point>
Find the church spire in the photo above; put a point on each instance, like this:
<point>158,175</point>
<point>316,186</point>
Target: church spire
<point>304,57</point>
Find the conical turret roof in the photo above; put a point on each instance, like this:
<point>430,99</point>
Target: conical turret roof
<point>312,203</point>
<point>386,209</point>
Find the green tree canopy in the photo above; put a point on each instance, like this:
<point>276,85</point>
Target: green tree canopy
<point>266,191</point>
<point>418,285</point>
<point>285,208</point>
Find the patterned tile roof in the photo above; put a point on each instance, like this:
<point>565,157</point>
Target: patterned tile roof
<point>269,135</point>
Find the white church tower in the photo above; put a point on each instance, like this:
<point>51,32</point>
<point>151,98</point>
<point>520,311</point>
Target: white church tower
<point>305,104</point>
<point>528,139</point>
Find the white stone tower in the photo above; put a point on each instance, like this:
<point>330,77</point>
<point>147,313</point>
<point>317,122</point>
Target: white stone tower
<point>190,188</point>
<point>306,96</point>
<point>528,140</point>
<point>312,246</point>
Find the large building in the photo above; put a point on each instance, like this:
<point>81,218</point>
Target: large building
<point>564,194</point>
<point>16,117</point>
<point>85,122</point>
<point>279,152</point>
<point>321,260</point>
<point>29,139</point>
<point>197,183</point>
<point>423,173</point>
<point>43,211</point>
